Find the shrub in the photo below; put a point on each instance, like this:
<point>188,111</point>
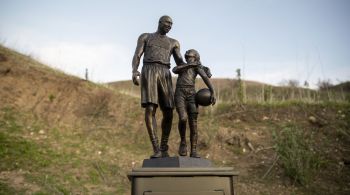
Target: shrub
<point>241,93</point>
<point>98,105</point>
<point>299,160</point>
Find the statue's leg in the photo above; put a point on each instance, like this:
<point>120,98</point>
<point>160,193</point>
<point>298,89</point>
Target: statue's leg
<point>192,121</point>
<point>151,124</point>
<point>193,134</point>
<point>166,104</point>
<point>166,128</point>
<point>182,130</point>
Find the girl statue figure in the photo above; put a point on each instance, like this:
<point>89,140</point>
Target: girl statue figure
<point>185,102</point>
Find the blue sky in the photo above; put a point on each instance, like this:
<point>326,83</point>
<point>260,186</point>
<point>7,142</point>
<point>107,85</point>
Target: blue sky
<point>270,40</point>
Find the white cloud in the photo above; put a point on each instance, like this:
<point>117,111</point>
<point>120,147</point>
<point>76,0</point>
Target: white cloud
<point>105,62</point>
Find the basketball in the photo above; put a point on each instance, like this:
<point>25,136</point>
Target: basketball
<point>203,97</point>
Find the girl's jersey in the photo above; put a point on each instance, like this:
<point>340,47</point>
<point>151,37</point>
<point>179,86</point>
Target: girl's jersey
<point>187,77</point>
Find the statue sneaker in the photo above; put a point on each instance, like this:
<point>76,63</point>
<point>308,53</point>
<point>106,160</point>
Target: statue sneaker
<point>194,154</point>
<point>156,155</point>
<point>183,149</point>
<point>165,154</point>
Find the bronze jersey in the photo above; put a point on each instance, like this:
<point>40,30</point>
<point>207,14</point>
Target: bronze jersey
<point>187,77</point>
<point>158,49</point>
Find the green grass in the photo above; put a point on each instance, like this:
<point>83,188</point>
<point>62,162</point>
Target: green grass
<point>48,183</point>
<point>297,156</point>
<point>6,189</point>
<point>8,120</point>
<point>19,153</point>
<point>53,170</point>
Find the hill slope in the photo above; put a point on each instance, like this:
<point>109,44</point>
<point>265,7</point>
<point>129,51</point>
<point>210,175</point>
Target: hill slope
<point>227,90</point>
<point>61,135</point>
<point>79,129</point>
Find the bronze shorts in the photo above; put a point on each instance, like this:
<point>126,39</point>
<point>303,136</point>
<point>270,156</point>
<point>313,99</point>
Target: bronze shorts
<point>156,86</point>
<point>185,100</point>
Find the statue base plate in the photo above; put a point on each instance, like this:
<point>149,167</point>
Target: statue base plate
<point>178,161</point>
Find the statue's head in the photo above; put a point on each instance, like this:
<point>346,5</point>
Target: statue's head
<point>192,56</point>
<point>164,25</point>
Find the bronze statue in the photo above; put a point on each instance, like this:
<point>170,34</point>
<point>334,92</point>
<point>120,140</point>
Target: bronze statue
<point>185,101</point>
<point>156,83</point>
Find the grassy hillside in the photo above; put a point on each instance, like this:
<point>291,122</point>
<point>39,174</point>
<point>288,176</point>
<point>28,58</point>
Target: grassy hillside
<point>228,90</point>
<point>63,135</point>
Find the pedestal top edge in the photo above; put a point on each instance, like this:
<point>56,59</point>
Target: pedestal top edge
<point>183,169</point>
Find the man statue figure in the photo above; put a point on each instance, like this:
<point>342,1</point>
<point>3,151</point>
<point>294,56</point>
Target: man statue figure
<point>156,82</point>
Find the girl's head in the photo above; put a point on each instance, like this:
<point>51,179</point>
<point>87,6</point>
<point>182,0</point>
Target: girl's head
<point>192,56</point>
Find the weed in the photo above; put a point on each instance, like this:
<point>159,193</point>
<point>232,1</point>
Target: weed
<point>98,105</point>
<point>299,160</point>
<point>236,150</point>
<point>94,176</point>
<point>52,97</point>
<point>223,107</point>
<point>50,185</point>
<point>8,120</point>
<point>343,133</point>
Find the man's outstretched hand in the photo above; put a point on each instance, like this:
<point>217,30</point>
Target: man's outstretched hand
<point>135,74</point>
